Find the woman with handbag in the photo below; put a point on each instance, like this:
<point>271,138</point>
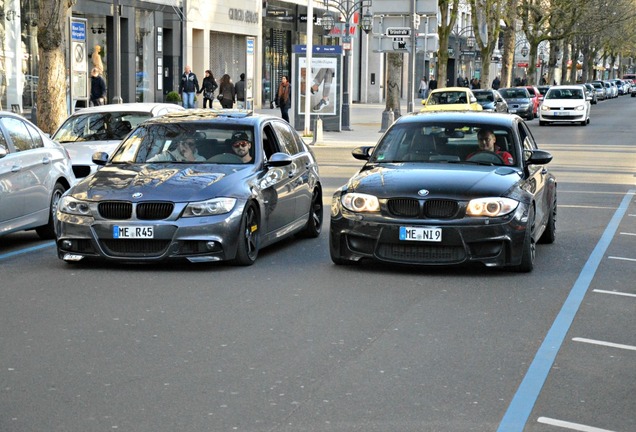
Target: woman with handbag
<point>208,87</point>
<point>227,94</point>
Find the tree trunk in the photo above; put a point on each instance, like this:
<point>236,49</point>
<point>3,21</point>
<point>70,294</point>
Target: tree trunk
<point>508,57</point>
<point>53,81</point>
<point>393,91</point>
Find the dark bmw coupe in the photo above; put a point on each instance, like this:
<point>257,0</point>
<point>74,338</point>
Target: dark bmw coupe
<point>202,185</point>
<point>447,188</point>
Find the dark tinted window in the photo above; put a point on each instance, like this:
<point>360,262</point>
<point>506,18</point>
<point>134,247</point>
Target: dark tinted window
<point>286,137</point>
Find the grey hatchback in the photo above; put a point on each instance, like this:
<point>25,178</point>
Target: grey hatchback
<point>202,185</point>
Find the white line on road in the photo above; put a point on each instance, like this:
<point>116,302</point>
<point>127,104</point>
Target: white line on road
<point>614,293</point>
<point>626,233</point>
<point>603,343</point>
<point>622,258</point>
<point>587,207</point>
<point>570,425</point>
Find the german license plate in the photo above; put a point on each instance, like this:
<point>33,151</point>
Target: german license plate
<point>421,234</point>
<point>512,111</point>
<point>133,232</point>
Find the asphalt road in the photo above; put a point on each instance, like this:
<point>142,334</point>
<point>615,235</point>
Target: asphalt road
<point>295,343</point>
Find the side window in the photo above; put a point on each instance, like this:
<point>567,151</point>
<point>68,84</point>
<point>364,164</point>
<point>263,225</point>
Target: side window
<point>527,141</point>
<point>270,145</point>
<point>35,136</point>
<point>18,133</point>
<point>3,142</point>
<point>286,137</point>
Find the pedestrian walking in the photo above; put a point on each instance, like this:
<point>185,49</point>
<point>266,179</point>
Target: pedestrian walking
<point>283,97</point>
<point>98,88</point>
<point>188,87</point>
<point>239,89</point>
<point>423,89</point>
<point>208,87</point>
<point>227,93</point>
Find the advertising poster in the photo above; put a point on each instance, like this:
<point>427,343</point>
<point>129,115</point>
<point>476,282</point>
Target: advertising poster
<point>324,75</point>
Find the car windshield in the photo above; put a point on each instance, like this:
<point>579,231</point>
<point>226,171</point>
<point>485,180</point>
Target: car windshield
<point>565,94</point>
<point>484,96</point>
<point>448,97</point>
<point>439,143</point>
<point>512,93</point>
<point>187,143</point>
<point>99,126</point>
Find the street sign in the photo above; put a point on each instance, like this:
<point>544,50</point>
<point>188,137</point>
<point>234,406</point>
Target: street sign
<point>398,32</point>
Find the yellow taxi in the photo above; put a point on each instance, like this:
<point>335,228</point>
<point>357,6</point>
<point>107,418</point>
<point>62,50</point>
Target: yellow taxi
<point>451,99</point>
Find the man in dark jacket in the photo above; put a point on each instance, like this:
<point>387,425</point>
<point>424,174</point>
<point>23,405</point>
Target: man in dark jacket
<point>98,88</point>
<point>188,87</point>
<point>239,88</point>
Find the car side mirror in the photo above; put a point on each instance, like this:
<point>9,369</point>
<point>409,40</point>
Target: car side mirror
<point>362,153</point>
<point>539,157</point>
<point>279,159</point>
<point>100,158</point>
<point>3,152</point>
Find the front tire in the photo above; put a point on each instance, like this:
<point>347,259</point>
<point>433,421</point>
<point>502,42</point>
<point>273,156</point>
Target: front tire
<point>248,241</point>
<point>529,246</point>
<point>47,231</point>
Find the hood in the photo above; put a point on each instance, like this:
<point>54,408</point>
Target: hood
<point>440,180</point>
<point>82,152</point>
<point>162,182</point>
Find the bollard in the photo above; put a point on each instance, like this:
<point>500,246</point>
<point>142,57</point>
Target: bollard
<point>387,119</point>
<point>317,131</point>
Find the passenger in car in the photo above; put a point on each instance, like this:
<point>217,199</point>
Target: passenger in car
<point>486,141</point>
<point>186,151</point>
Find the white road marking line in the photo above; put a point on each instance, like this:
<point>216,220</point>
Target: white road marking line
<point>586,207</point>
<point>603,343</point>
<point>626,233</point>
<point>622,258</point>
<point>614,293</point>
<point>570,425</point>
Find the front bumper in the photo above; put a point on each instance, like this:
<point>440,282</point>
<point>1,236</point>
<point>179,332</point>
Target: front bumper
<point>198,239</point>
<point>562,116</point>
<point>494,242</point>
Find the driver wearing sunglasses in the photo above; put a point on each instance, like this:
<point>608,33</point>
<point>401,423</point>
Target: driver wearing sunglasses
<point>241,146</point>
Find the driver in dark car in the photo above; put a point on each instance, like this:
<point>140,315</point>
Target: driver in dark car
<point>486,139</point>
<point>241,146</point>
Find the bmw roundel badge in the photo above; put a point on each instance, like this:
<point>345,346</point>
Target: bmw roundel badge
<point>422,192</point>
<point>137,195</point>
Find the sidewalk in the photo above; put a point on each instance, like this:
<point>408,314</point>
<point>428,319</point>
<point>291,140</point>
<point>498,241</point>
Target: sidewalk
<point>365,119</point>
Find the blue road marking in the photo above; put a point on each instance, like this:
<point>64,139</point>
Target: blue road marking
<point>516,417</point>
<point>27,250</point>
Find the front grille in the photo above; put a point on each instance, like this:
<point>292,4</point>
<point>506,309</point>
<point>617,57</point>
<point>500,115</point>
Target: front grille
<point>431,209</point>
<point>135,247</point>
<point>115,209</point>
<point>421,254</point>
<point>405,207</point>
<point>154,210</point>
<point>440,209</point>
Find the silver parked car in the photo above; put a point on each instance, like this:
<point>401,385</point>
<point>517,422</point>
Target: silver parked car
<point>34,173</point>
<point>102,128</point>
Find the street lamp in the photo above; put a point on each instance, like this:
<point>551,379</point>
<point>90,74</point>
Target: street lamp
<point>347,8</point>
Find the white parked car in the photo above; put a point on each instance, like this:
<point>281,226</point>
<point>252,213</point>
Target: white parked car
<point>565,103</point>
<point>101,129</point>
<point>34,173</point>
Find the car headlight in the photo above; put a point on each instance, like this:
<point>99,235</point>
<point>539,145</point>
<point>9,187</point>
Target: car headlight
<point>545,107</point>
<point>491,207</point>
<point>580,108</point>
<point>70,205</point>
<point>210,207</point>
<point>358,202</point>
